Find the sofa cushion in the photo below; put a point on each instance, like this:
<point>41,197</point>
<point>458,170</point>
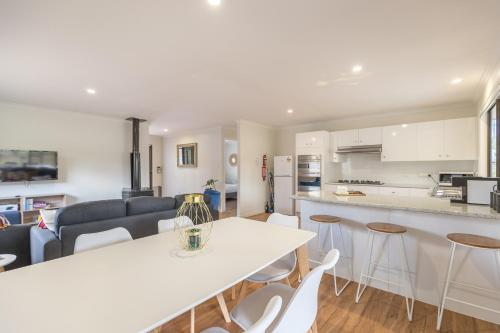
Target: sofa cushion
<point>90,211</point>
<point>145,205</point>
<point>16,240</point>
<point>138,226</point>
<point>13,216</point>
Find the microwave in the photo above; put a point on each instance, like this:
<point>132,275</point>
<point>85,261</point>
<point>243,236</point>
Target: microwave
<point>445,177</point>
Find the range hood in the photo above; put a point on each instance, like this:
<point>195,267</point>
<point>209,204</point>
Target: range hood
<point>374,149</point>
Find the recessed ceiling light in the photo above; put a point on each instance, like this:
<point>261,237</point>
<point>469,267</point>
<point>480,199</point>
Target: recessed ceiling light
<point>214,3</point>
<point>456,80</point>
<point>357,68</point>
<point>404,125</point>
<point>91,91</point>
<point>289,111</point>
<point>165,130</point>
<point>322,83</point>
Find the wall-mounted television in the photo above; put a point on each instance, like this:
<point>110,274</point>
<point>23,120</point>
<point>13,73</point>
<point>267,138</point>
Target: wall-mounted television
<point>27,165</point>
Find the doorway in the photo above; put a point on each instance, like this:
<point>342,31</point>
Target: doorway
<point>231,176</point>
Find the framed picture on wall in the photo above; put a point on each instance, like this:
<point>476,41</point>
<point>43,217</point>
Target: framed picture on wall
<point>187,155</point>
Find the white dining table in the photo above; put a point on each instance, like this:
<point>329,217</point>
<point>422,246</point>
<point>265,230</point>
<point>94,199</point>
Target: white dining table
<point>139,285</point>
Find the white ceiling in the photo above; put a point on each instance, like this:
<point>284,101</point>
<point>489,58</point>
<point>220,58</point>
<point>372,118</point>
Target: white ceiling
<point>184,64</point>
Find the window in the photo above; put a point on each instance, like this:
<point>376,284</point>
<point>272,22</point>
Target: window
<point>493,140</point>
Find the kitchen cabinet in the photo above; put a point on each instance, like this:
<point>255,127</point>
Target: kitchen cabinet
<point>317,139</point>
<point>399,143</point>
<point>346,138</point>
<point>370,136</point>
<point>460,139</point>
<point>396,191</point>
<point>453,139</point>
<point>334,157</point>
<point>359,137</point>
<point>430,141</point>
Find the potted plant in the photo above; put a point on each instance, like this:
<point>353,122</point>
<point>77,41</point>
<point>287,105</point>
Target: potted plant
<point>213,193</point>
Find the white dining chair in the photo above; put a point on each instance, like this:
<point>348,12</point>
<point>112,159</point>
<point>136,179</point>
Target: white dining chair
<point>300,305</point>
<point>283,267</point>
<point>95,240</point>
<point>270,312</point>
<point>169,225</point>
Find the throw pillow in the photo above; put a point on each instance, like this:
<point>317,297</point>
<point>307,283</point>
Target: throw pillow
<point>46,219</point>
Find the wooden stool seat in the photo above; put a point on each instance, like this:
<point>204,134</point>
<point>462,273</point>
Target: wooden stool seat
<point>387,228</point>
<point>475,241</point>
<point>325,218</point>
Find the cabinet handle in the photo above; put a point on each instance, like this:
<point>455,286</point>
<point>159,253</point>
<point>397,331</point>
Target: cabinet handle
<point>447,155</point>
<point>439,155</point>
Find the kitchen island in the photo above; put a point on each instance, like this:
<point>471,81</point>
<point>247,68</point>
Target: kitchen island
<point>428,221</point>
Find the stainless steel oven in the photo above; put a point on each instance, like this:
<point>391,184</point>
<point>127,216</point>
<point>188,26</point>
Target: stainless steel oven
<point>308,173</point>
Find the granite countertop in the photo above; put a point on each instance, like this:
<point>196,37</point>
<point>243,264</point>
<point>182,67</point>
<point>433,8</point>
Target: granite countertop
<point>416,204</point>
<point>384,185</point>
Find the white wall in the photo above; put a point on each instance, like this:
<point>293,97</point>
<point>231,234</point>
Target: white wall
<point>254,140</point>
<point>191,180</point>
<point>231,172</point>
<point>93,151</point>
<point>369,167</point>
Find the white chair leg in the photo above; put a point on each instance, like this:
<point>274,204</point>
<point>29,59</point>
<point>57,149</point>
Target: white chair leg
<point>405,268</point>
<point>351,270</point>
<point>366,266</point>
<point>445,289</point>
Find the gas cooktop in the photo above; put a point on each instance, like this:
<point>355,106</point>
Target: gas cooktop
<point>365,182</point>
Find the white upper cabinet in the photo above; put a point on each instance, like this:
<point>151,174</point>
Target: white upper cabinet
<point>399,143</point>
<point>460,139</point>
<point>359,137</point>
<point>334,157</point>
<point>453,139</point>
<point>346,138</point>
<point>318,139</point>
<point>430,141</point>
<point>370,136</point>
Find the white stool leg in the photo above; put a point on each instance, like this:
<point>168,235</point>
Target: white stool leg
<point>319,241</point>
<point>366,265</point>
<point>344,249</point>
<point>405,268</point>
<point>446,285</point>
<point>337,292</point>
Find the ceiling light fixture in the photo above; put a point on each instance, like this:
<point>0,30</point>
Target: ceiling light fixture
<point>357,68</point>
<point>289,111</point>
<point>165,130</point>
<point>404,125</point>
<point>456,80</point>
<point>91,91</point>
<point>214,3</point>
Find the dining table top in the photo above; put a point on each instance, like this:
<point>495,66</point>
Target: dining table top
<point>138,285</point>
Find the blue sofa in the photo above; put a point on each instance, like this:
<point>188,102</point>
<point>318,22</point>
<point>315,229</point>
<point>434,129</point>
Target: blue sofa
<point>139,216</point>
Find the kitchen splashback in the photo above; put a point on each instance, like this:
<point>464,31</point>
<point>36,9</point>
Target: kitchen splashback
<point>369,167</point>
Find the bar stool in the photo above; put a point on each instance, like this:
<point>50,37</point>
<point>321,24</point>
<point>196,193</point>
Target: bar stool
<point>331,221</point>
<point>387,229</point>
<point>475,242</point>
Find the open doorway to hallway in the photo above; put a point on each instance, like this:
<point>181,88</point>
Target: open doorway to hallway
<point>231,176</point>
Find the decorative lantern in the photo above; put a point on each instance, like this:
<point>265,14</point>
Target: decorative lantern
<point>193,223</point>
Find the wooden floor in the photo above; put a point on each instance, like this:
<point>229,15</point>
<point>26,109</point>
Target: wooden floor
<point>378,311</point>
